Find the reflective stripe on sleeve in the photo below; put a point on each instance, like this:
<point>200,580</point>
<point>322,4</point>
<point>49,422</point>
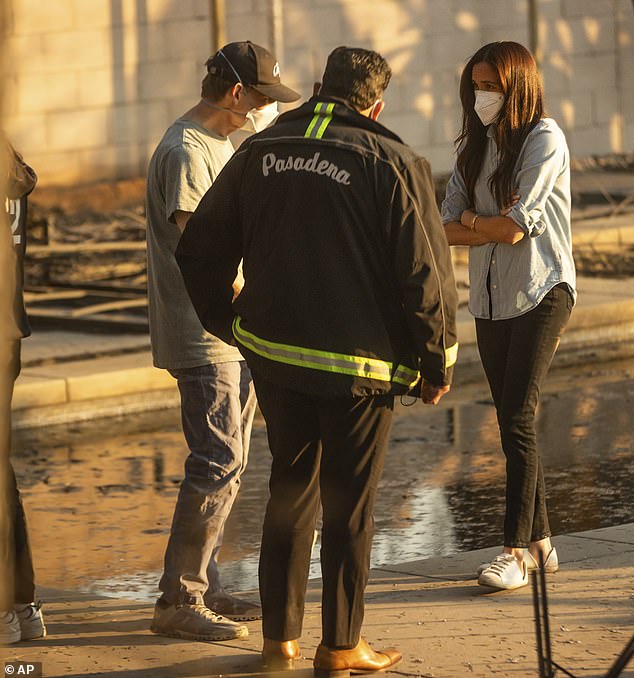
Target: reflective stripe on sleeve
<point>451,355</point>
<point>325,361</point>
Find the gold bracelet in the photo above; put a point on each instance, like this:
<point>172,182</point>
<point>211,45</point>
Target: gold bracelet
<point>473,223</point>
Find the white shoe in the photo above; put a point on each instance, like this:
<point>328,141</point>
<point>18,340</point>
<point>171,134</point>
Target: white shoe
<point>505,572</point>
<point>484,566</point>
<point>31,620</point>
<point>9,628</point>
<point>551,564</point>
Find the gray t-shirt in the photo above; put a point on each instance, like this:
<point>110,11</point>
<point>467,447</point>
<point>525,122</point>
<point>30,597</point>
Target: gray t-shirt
<point>183,167</point>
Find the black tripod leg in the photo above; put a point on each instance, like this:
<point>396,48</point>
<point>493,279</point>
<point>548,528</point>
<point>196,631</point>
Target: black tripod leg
<point>538,627</point>
<point>622,660</point>
<point>547,644</point>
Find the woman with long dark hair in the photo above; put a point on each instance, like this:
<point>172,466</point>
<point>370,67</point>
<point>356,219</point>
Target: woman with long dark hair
<point>508,199</point>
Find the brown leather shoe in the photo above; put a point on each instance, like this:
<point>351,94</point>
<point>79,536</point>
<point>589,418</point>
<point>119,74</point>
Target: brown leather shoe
<point>279,655</point>
<point>361,659</point>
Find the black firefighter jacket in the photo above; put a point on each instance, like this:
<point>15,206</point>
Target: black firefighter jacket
<point>349,287</point>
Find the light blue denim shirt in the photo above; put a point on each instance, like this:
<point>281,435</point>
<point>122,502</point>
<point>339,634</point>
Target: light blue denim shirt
<point>521,274</point>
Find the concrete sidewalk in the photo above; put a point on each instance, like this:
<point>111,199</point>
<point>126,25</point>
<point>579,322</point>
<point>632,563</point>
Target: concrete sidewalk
<point>433,611</point>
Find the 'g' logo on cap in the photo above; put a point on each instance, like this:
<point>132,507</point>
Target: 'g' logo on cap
<point>276,70</point>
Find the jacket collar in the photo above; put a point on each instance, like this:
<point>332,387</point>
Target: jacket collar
<point>342,112</point>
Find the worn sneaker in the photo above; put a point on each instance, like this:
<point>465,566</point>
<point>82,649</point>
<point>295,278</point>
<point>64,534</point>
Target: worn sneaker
<point>194,622</point>
<point>505,572</point>
<point>551,564</point>
<point>231,607</point>
<point>9,628</point>
<point>31,620</point>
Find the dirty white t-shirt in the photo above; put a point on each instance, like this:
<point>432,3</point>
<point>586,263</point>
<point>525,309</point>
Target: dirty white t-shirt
<point>183,167</point>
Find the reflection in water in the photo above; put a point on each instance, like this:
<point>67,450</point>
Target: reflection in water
<point>100,497</point>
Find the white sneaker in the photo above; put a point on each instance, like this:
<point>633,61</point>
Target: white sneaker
<point>9,628</point>
<point>31,620</point>
<point>505,572</point>
<point>482,568</point>
<point>551,564</point>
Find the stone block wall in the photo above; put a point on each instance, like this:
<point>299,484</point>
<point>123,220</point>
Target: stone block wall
<point>96,82</point>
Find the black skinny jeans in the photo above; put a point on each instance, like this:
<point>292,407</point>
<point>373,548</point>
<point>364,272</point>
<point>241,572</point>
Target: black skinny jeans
<point>516,355</point>
<point>328,449</point>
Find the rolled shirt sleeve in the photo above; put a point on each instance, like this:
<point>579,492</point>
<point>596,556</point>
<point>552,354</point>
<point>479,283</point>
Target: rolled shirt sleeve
<point>456,200</point>
<point>544,160</point>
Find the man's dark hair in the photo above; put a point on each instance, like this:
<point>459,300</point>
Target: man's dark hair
<point>214,86</point>
<point>360,76</point>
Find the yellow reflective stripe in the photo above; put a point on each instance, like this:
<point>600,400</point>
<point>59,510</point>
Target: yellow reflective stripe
<point>406,376</point>
<point>322,118</point>
<point>320,360</point>
<point>451,355</point>
<point>358,366</point>
<point>326,122</point>
<point>313,122</point>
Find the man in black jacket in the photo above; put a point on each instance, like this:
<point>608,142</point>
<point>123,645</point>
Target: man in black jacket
<point>349,299</point>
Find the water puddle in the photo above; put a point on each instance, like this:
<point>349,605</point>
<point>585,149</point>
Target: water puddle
<point>100,496</point>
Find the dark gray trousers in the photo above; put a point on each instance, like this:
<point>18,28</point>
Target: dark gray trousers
<point>329,450</point>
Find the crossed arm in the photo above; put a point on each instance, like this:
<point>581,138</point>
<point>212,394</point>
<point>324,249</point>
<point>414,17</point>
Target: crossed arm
<point>498,228</point>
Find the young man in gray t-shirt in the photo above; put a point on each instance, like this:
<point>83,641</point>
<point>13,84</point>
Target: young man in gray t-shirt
<point>217,395</point>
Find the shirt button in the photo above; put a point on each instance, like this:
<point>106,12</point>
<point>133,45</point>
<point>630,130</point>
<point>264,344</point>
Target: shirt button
<point>492,261</point>
<point>495,287</point>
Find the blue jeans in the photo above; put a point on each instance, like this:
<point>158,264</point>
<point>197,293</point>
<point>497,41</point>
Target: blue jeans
<point>516,355</point>
<point>217,407</point>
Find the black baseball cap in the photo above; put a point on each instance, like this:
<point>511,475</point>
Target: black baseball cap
<point>253,66</point>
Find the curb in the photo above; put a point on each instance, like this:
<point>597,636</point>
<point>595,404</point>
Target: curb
<point>128,384</point>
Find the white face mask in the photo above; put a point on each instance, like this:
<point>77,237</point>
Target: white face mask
<point>488,105</point>
<point>259,119</point>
